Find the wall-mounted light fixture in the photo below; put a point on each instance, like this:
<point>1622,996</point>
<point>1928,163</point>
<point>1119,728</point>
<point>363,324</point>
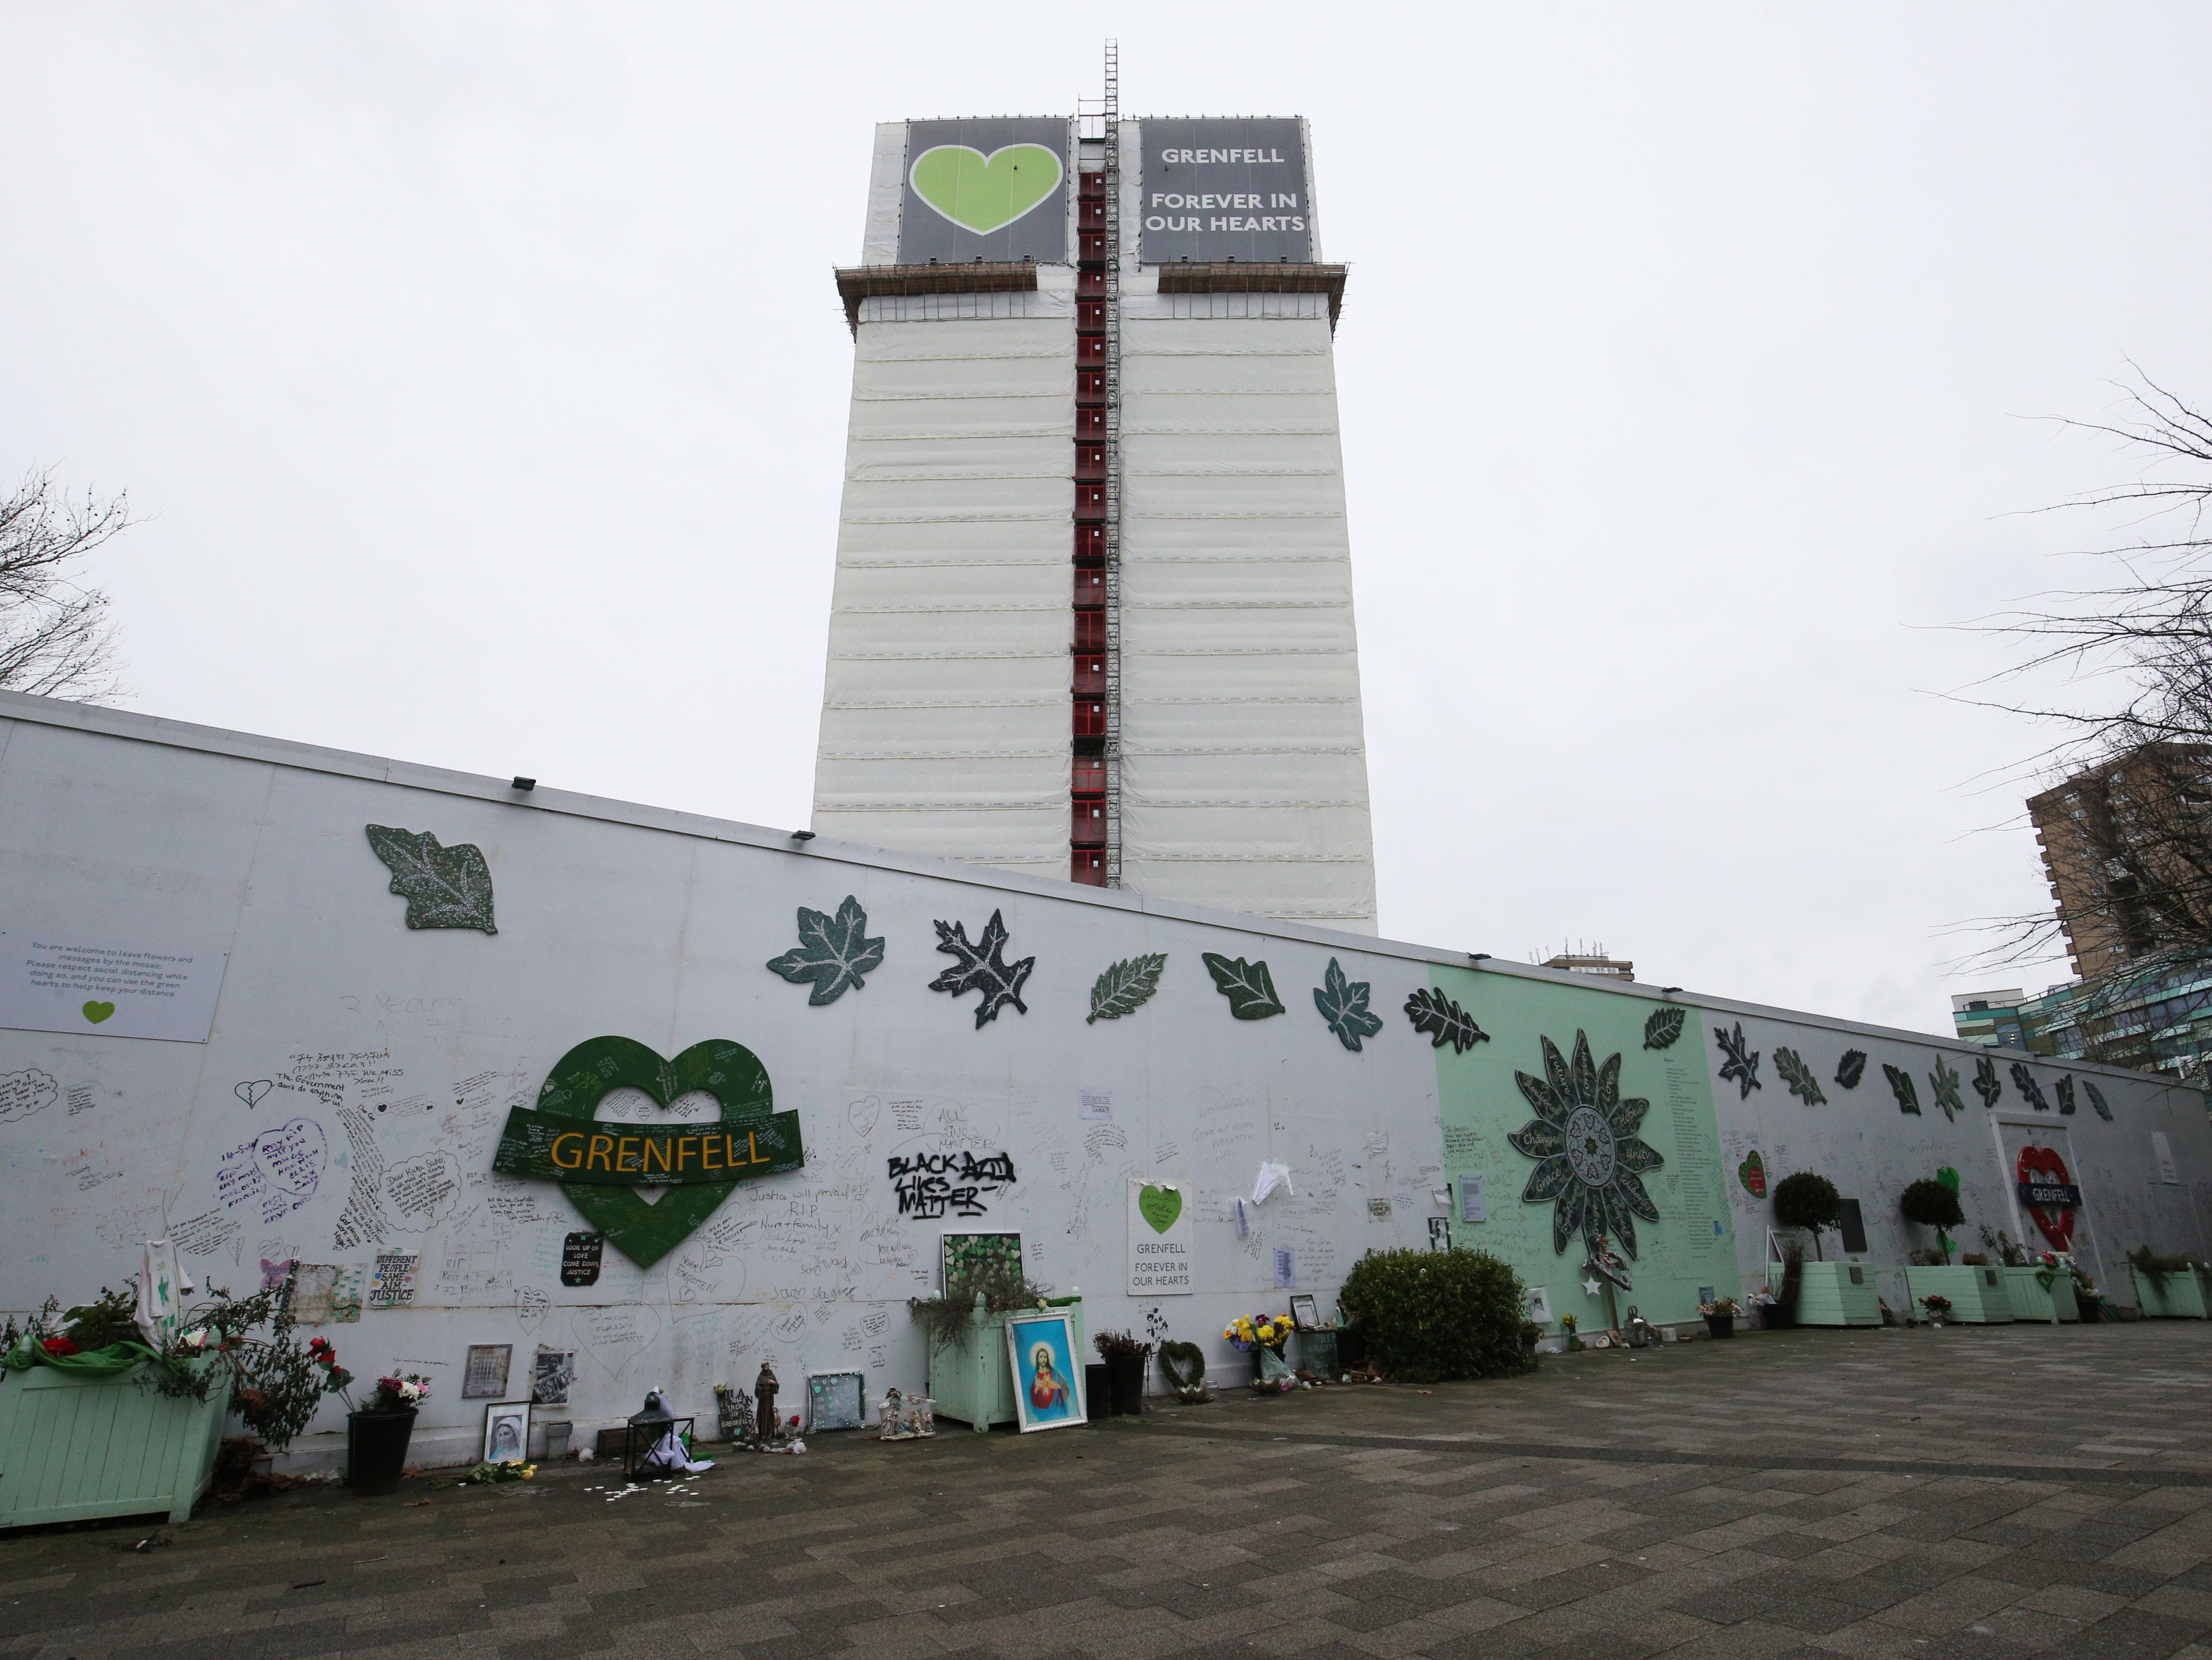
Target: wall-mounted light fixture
<point>524,784</point>
<point>1668,991</point>
<point>802,836</point>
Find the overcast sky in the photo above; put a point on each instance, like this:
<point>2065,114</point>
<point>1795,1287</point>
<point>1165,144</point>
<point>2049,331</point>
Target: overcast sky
<point>480,377</point>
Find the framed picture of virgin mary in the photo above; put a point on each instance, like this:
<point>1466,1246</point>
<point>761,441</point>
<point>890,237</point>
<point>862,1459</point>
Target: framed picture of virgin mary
<point>1047,1384</point>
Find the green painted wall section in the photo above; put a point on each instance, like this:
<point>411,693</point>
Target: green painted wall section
<point>1690,1247</point>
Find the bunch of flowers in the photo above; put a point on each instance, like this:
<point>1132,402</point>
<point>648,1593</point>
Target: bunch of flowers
<point>403,1393</point>
<point>1270,1330</point>
<point>1937,1308</point>
<point>1726,1306</point>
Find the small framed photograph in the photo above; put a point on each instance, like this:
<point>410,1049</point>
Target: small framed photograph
<point>1048,1390</point>
<point>506,1432</point>
<point>1302,1314</point>
<point>485,1377</point>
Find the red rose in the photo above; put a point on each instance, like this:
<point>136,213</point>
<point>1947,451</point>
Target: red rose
<point>59,1345</point>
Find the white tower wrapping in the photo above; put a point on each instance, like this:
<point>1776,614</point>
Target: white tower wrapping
<point>954,694</point>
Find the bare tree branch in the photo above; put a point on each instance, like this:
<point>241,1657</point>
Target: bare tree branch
<point>57,639</point>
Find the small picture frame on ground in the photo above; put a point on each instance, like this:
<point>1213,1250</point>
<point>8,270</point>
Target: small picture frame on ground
<point>1047,1381</point>
<point>836,1401</point>
<point>506,1432</point>
<point>1302,1313</point>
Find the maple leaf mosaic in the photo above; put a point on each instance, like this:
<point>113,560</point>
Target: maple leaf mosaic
<point>1589,1160</point>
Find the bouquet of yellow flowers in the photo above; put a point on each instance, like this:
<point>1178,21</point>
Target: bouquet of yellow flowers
<point>1267,1330</point>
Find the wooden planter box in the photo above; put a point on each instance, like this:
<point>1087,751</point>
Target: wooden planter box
<point>2182,1300</point>
<point>2030,1301</point>
<point>970,1378</point>
<point>1834,1293</point>
<point>1978,1294</point>
<point>75,1448</point>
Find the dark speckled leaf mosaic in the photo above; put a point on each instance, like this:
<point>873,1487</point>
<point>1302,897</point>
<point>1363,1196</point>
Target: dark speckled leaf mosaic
<point>1444,1021</point>
<point>1664,1026</point>
<point>1852,1068</point>
<point>1741,1066</point>
<point>1986,1084</point>
<point>1902,1086</point>
<point>1248,986</point>
<point>445,887</point>
<point>1790,1067</point>
<point>1125,987</point>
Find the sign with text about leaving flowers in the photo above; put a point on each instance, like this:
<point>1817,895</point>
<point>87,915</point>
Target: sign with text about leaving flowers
<point>551,1147</point>
<point>1159,1240</point>
<point>109,988</point>
<point>1225,189</point>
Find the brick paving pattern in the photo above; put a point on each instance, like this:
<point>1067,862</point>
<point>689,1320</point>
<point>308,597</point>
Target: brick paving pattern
<point>1991,1492</point>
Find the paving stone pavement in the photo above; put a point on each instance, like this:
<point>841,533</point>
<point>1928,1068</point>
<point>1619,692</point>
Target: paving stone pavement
<point>1972,1493</point>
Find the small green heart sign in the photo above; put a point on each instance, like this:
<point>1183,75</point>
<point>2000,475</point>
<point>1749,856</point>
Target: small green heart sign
<point>97,1012</point>
<point>983,193</point>
<point>1159,1207</point>
<point>598,1162</point>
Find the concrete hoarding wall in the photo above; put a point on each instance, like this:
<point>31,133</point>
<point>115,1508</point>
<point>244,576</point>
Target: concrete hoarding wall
<point>1864,1137</point>
<point>344,1108</point>
<point>383,1063</point>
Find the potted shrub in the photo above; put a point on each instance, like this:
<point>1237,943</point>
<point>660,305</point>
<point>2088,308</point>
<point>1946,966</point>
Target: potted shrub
<point>2166,1288</point>
<point>1720,1316</point>
<point>98,1421</point>
<point>1809,1200</point>
<point>1125,1355</point>
<point>1971,1293</point>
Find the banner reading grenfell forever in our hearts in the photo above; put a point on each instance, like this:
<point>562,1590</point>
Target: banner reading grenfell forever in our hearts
<point>1215,189</point>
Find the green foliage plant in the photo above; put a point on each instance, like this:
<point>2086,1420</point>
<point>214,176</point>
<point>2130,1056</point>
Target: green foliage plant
<point>1432,1316</point>
<point>1933,1203</point>
<point>1807,1200</point>
<point>2156,1268</point>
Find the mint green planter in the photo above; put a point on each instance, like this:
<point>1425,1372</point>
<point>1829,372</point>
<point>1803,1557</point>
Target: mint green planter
<point>2030,1301</point>
<point>2182,1300</point>
<point>72,1449</point>
<point>1834,1293</point>
<point>1978,1294</point>
<point>970,1378</point>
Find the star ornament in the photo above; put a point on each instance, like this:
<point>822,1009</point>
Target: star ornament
<point>1589,1160</point>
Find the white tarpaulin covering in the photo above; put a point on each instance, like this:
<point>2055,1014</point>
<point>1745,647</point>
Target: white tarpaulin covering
<point>945,708</point>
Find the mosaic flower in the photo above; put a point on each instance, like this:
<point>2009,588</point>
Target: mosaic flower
<point>1589,1157</point>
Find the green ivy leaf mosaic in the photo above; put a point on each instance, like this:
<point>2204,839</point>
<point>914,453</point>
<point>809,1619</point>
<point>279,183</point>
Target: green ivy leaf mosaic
<point>1125,987</point>
<point>1343,1005</point>
<point>1663,1028</point>
<point>2066,1095</point>
<point>1248,986</point>
<point>445,887</point>
<point>2030,1091</point>
<point>1790,1067</point>
<point>1444,1021</point>
<point>834,952</point>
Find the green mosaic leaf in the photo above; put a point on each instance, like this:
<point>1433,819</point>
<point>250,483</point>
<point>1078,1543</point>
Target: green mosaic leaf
<point>2030,1091</point>
<point>1742,1063</point>
<point>1852,1068</point>
<point>1664,1026</point>
<point>981,968</point>
<point>1343,1004</point>
<point>445,887</point>
<point>1444,1021</point>
<point>2097,1100</point>
<point>1944,1082</point>
<point>1902,1086</point>
<point>833,951</point>
<point>2066,1095</point>
<point>1795,1073</point>
<point>1248,986</point>
<point>1986,1085</point>
<point>1125,987</point>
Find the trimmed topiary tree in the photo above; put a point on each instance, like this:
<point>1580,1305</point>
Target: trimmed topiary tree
<point>1429,1317</point>
<point>1809,1200</point>
<point>1934,1205</point>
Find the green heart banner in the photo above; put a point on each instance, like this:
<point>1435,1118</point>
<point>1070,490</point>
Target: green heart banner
<point>597,1162</point>
<point>1159,1207</point>
<point>984,193</point>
